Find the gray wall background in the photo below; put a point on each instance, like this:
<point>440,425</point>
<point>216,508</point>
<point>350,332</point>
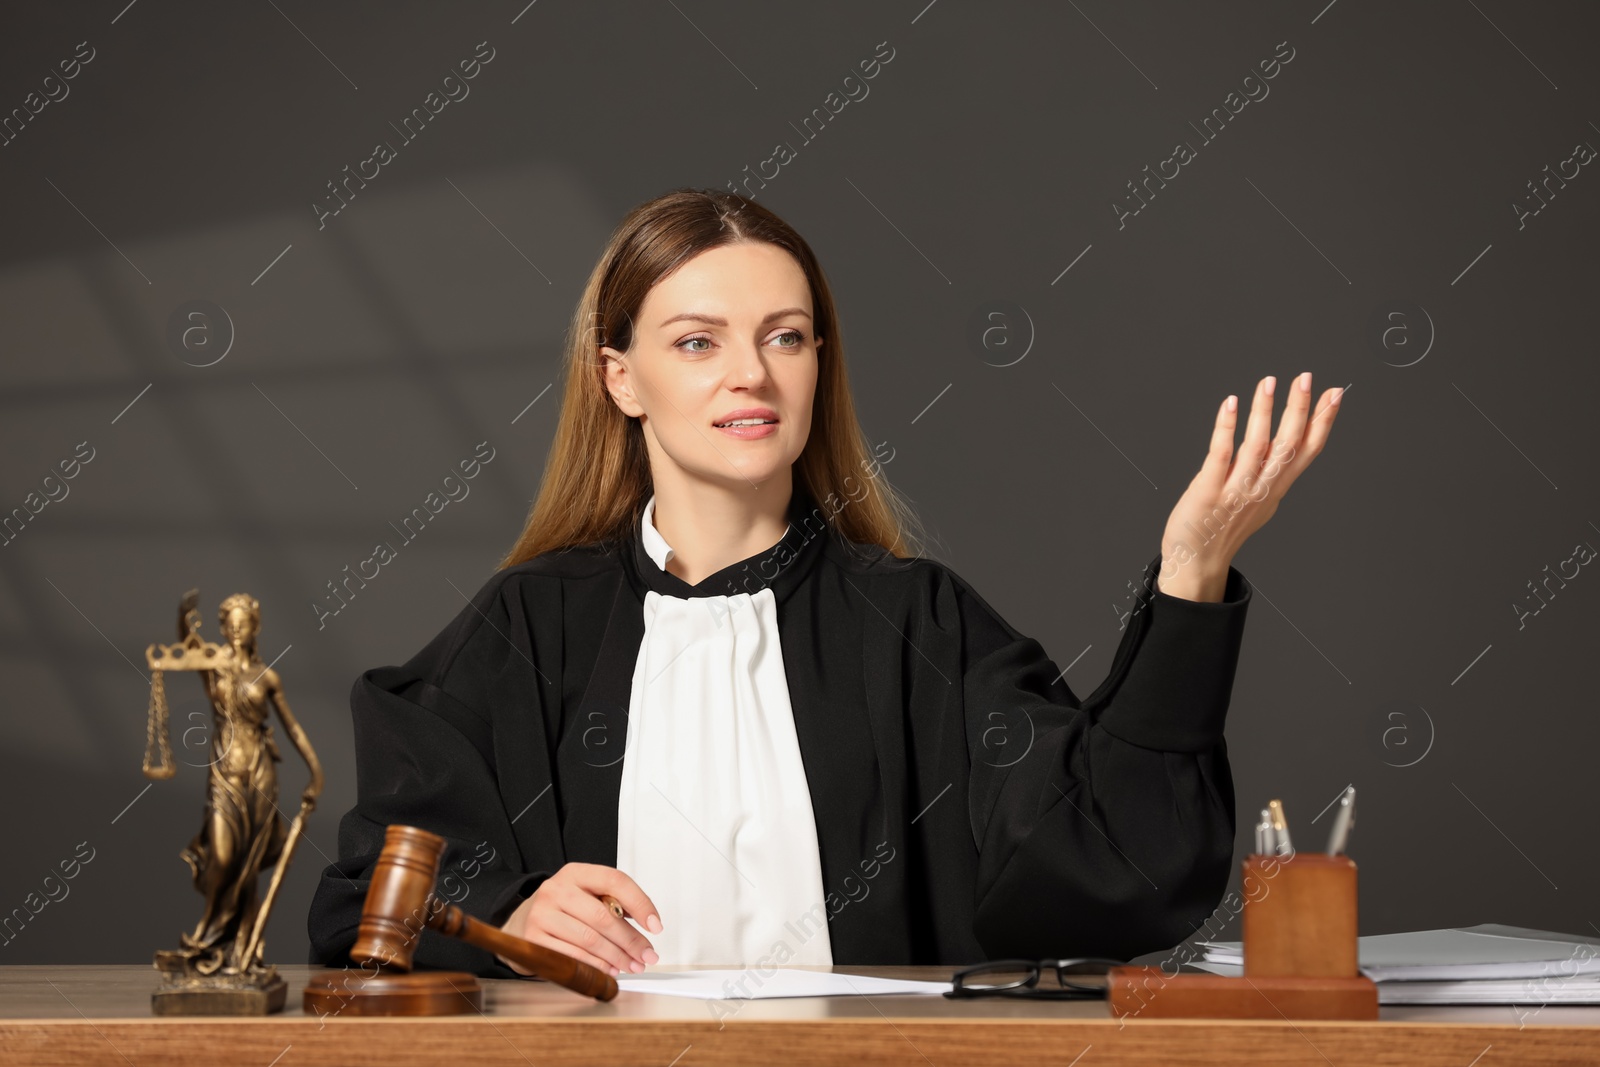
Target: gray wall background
<point>1374,187</point>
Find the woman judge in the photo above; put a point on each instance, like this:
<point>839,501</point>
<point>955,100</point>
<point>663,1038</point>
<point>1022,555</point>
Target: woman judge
<point>710,682</point>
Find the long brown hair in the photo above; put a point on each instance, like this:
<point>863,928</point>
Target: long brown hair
<point>597,474</point>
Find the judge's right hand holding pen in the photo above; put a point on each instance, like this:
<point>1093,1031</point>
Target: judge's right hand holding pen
<point>572,912</point>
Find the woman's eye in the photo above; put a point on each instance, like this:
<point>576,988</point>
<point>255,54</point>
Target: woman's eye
<point>798,340</point>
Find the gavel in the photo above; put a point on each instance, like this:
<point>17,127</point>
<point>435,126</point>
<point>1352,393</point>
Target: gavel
<point>400,904</point>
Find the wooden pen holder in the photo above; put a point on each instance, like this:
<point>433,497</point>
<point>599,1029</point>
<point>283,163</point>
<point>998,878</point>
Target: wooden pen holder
<point>1299,916</point>
<point>1300,953</point>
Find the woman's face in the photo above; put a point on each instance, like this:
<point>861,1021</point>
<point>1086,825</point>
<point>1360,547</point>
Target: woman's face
<point>238,626</point>
<point>729,330</point>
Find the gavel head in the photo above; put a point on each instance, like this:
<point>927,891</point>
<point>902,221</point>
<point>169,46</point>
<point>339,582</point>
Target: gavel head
<point>400,898</point>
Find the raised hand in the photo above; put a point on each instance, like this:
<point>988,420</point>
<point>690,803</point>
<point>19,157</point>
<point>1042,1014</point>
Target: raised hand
<point>1233,496</point>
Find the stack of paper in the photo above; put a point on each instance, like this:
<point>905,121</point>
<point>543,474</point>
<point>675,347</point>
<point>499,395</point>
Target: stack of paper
<point>1486,964</point>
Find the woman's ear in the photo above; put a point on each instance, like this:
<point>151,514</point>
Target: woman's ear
<point>619,383</point>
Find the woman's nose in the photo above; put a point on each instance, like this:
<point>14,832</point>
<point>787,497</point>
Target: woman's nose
<point>749,363</point>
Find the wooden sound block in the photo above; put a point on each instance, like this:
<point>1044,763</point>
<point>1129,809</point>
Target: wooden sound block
<point>353,992</point>
<point>1148,993</point>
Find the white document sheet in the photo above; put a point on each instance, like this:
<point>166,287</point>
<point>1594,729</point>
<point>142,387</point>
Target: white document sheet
<point>748,984</point>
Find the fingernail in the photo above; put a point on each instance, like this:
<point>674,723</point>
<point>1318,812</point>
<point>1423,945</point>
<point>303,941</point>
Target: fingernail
<point>655,924</point>
<point>613,970</point>
<point>1233,402</point>
<point>1338,395</point>
<point>1268,384</point>
<point>650,956</point>
<point>635,966</point>
<point>1305,382</point>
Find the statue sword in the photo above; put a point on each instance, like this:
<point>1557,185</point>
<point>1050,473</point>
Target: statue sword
<point>248,957</point>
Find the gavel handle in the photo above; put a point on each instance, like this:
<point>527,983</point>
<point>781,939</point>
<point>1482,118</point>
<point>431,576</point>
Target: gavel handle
<point>546,963</point>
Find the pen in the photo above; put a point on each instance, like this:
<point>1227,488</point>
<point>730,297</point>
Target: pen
<point>1343,820</point>
<point>1266,840</point>
<point>1280,828</point>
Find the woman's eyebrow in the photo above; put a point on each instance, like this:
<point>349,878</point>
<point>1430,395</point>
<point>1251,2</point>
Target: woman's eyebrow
<point>712,320</point>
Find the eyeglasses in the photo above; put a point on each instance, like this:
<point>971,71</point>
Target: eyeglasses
<point>1020,978</point>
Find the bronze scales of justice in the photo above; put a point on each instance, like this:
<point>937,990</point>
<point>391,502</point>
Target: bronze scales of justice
<point>219,970</point>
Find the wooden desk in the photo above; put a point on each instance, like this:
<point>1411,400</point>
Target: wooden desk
<point>101,1015</point>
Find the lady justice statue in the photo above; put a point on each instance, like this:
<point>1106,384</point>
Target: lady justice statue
<point>219,969</point>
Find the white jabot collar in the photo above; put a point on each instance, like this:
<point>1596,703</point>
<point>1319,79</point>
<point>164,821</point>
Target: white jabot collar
<point>714,800</point>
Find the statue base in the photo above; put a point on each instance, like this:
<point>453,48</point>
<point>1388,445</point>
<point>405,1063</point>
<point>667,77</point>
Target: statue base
<point>185,991</point>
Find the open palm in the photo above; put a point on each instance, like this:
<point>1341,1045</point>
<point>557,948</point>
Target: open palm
<point>1233,495</point>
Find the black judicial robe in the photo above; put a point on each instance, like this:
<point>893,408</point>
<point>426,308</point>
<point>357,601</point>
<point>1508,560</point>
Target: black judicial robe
<point>968,804</point>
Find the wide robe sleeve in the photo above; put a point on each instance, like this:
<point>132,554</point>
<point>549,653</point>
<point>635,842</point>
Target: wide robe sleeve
<point>1105,826</point>
<point>426,751</point>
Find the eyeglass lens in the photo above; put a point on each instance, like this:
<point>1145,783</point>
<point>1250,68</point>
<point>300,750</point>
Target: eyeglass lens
<point>1001,976</point>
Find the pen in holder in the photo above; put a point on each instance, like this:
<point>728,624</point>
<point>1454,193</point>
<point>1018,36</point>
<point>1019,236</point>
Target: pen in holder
<point>1300,952</point>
